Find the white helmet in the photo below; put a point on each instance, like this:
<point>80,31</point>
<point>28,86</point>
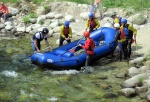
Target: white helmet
<point>117,25</point>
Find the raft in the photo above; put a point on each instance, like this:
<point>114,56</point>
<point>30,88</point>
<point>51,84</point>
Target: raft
<point>62,58</point>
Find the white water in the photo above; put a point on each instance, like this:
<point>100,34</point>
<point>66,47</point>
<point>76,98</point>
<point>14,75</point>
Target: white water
<point>9,73</point>
<point>63,72</point>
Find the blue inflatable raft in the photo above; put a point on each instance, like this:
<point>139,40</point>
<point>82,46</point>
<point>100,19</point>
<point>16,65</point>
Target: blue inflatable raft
<point>62,58</point>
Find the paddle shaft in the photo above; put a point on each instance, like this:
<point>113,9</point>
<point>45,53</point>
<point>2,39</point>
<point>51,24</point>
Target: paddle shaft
<point>73,47</point>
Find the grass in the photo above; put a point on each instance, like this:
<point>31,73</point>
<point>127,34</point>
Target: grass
<point>137,4</point>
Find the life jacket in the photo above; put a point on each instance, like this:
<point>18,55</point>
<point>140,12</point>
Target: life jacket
<point>90,51</point>
<point>122,36</point>
<point>40,37</point>
<point>126,31</point>
<point>66,31</point>
<point>92,23</point>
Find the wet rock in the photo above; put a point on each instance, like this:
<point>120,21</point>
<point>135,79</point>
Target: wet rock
<point>138,90</point>
<point>121,75</point>
<point>127,92</point>
<point>135,80</point>
<point>133,71</point>
<point>143,69</point>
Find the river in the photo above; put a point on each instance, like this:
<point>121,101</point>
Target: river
<point>21,81</point>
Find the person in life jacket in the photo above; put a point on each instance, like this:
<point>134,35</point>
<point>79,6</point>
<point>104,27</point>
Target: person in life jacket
<point>37,38</point>
<point>120,37</point>
<point>129,31</point>
<point>115,18</point>
<point>4,12</point>
<point>65,33</point>
<point>89,47</point>
<point>92,23</point>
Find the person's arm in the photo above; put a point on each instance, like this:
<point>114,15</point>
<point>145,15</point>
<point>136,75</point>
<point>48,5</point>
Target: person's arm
<point>35,44</point>
<point>70,32</point>
<point>87,45</point>
<point>87,24</point>
<point>98,24</point>
<point>61,31</point>
<point>133,29</point>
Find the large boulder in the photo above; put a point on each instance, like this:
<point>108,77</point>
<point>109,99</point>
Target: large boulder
<point>13,11</point>
<point>138,18</point>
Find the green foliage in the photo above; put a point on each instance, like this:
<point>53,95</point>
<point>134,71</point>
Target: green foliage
<point>26,20</point>
<point>32,15</point>
<point>41,22</point>
<point>137,4</point>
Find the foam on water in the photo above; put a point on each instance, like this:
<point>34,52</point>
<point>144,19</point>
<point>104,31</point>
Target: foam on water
<point>9,73</point>
<point>65,72</point>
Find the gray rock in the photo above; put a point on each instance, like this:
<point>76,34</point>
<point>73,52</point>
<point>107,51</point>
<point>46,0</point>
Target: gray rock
<point>40,11</point>
<point>133,71</point>
<point>13,11</point>
<point>2,26</point>
<point>127,91</point>
<point>138,18</point>
<point>69,18</point>
<point>50,15</point>
<point>135,80</point>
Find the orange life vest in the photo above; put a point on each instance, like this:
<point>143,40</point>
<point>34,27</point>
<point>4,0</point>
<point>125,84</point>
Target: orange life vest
<point>122,35</point>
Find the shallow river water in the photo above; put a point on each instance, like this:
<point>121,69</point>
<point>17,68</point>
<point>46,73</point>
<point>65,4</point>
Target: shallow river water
<point>21,81</point>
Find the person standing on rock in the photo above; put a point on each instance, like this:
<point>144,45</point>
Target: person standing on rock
<point>37,38</point>
<point>4,13</point>
<point>92,23</point>
<point>120,37</point>
<point>98,4</point>
<point>89,47</point>
<point>129,31</point>
<point>65,33</point>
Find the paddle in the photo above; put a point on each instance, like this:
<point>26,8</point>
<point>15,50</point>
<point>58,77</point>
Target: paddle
<point>73,49</point>
<point>31,55</point>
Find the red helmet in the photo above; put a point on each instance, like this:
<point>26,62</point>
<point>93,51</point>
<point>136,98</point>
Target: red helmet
<point>86,34</point>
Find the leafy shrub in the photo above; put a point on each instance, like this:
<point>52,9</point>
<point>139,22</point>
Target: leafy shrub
<point>41,22</point>
<point>26,20</point>
<point>32,15</point>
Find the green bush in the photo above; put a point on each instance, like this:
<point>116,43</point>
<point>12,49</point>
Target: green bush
<point>26,20</point>
<point>32,15</point>
<point>41,22</point>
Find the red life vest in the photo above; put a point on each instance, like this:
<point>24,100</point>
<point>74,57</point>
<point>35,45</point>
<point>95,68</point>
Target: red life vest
<point>66,31</point>
<point>89,46</point>
<point>122,35</point>
<point>92,23</point>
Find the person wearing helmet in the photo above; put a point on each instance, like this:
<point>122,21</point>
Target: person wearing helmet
<point>115,18</point>
<point>65,33</point>
<point>37,38</point>
<point>89,47</point>
<point>120,37</point>
<point>129,31</point>
<point>92,23</point>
